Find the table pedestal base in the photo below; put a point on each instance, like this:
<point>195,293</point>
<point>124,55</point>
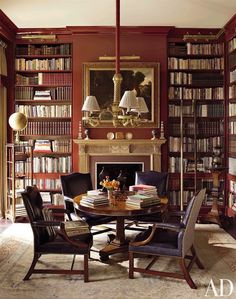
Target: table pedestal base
<point>118,244</point>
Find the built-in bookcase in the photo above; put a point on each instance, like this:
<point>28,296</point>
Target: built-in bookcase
<point>231,52</point>
<point>196,109</point>
<point>43,92</point>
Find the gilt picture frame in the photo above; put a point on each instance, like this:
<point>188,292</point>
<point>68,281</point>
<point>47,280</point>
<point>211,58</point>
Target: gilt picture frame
<point>141,77</point>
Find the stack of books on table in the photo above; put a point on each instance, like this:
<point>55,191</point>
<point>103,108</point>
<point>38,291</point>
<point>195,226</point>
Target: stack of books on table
<point>142,201</point>
<point>144,189</point>
<point>94,200</point>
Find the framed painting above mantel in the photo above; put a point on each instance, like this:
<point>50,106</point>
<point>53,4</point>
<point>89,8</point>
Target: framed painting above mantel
<point>141,77</point>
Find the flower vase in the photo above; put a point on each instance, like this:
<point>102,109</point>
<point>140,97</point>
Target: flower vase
<point>110,197</point>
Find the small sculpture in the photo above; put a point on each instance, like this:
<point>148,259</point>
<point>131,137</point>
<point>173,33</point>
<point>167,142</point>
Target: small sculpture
<point>154,134</point>
<point>86,132</point>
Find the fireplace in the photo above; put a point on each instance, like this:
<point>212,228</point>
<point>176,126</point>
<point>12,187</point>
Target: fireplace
<point>113,170</point>
<point>143,152</point>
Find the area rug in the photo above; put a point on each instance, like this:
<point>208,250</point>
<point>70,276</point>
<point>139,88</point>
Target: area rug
<point>216,248</point>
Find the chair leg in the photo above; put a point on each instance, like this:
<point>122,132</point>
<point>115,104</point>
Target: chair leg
<point>198,262</point>
<point>31,269</point>
<point>86,279</point>
<point>186,274</point>
<point>131,265</point>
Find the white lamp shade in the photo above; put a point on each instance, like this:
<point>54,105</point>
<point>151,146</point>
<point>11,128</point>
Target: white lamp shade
<point>128,100</point>
<point>142,106</point>
<point>90,104</point>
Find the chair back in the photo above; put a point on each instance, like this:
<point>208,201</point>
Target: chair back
<point>34,205</point>
<point>190,219</point>
<point>154,178</point>
<point>75,184</point>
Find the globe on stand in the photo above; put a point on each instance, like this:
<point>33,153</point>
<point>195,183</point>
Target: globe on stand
<point>17,121</point>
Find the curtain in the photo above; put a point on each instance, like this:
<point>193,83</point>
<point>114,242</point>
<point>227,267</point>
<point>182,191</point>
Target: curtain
<point>3,130</point>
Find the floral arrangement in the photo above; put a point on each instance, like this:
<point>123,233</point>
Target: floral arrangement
<point>110,185</point>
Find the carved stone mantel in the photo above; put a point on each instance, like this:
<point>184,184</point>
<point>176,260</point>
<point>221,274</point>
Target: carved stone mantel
<point>119,147</point>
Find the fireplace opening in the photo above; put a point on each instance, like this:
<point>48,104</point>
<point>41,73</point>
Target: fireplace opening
<point>113,170</point>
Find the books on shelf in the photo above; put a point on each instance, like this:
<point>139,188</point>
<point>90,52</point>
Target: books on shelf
<point>42,146</point>
<point>42,95</point>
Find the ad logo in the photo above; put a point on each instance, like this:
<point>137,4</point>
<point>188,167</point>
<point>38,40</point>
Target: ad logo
<point>226,288</point>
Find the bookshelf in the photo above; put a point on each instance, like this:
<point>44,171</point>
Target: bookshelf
<point>231,84</point>
<point>43,92</point>
<point>196,110</point>
<point>19,175</point>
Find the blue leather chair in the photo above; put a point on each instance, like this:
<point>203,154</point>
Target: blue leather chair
<point>170,240</point>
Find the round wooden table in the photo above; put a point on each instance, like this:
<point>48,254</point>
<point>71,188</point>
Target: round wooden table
<point>120,211</point>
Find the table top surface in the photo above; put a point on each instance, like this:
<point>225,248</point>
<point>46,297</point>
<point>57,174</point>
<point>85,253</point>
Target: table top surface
<point>119,209</point>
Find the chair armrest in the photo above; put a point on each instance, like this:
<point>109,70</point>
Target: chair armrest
<point>144,242</point>
<point>67,198</point>
<point>46,223</point>
<point>170,226</point>
<point>61,210</point>
<point>177,213</point>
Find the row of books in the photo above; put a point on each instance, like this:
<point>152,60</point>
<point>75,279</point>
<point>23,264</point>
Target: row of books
<point>45,110</point>
<point>53,146</point>
<point>42,95</point>
<point>23,167</point>
<point>232,109</point>
<point>211,93</point>
<point>197,79</point>
<point>62,49</point>
<point>232,127</point>
<point>195,64</point>
<point>190,144</point>
<point>53,64</point>
<point>47,128</point>
<point>205,49</point>
<point>52,164</point>
<point>232,44</point>
<point>175,164</point>
<point>48,184</point>
<point>45,79</point>
<point>204,110</point>
<point>232,92</point>
<point>203,128</point>
<point>61,93</point>
<point>232,76</point>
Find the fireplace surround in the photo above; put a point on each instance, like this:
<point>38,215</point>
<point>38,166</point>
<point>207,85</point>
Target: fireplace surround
<point>143,151</point>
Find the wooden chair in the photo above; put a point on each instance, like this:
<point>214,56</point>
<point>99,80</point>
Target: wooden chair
<point>50,237</point>
<point>170,240</point>
<point>75,184</point>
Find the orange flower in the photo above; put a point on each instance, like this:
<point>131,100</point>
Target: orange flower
<point>111,185</point>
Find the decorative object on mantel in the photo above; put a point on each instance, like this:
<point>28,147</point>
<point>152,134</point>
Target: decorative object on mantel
<point>129,135</point>
<point>119,135</point>
<point>86,132</point>
<point>162,131</point>
<point>110,135</point>
<point>125,111</point>
<point>80,131</point>
<point>154,134</point>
